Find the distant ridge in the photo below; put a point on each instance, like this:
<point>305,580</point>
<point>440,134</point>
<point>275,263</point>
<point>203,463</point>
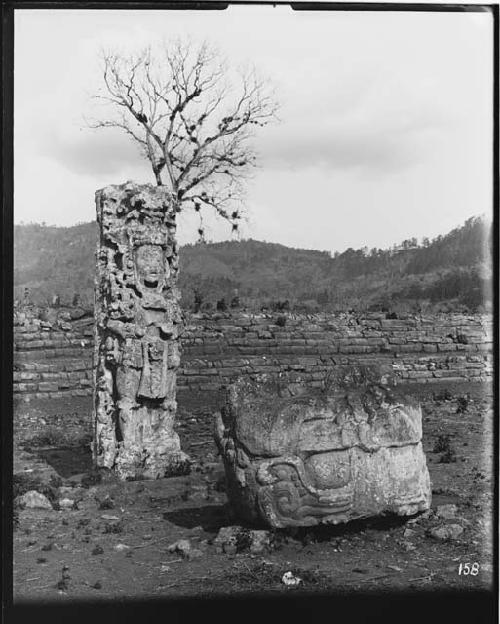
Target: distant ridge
<point>448,272</point>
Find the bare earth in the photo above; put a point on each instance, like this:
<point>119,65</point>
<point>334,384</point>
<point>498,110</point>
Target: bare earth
<point>114,543</point>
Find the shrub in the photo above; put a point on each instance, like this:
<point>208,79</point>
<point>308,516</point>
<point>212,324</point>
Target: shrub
<point>198,301</point>
<point>51,436</point>
<point>462,404</point>
<point>221,305</point>
<point>443,445</point>
<point>280,306</point>
<point>113,527</point>
<point>443,395</point>
<point>93,478</point>
<point>448,457</point>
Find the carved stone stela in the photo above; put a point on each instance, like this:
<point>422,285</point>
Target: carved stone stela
<point>137,326</point>
<point>312,459</point>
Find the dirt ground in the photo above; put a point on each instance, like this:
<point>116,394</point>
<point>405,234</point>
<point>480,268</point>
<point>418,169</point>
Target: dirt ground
<point>114,543</point>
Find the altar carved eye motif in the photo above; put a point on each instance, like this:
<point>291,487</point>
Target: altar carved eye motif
<point>348,467</point>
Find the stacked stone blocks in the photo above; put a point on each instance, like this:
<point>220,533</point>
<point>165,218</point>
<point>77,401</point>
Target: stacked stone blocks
<point>51,362</point>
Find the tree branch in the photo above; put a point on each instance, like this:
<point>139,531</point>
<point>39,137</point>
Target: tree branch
<point>179,107</point>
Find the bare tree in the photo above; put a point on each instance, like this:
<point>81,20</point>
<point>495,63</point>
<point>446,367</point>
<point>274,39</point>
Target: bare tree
<point>190,121</point>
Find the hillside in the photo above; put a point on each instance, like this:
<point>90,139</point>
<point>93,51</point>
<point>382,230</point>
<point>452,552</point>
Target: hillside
<point>448,272</point>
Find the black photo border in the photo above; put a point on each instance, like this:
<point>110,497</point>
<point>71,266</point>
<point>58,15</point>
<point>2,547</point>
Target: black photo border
<point>388,606</point>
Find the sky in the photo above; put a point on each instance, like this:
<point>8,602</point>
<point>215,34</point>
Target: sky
<point>385,128</point>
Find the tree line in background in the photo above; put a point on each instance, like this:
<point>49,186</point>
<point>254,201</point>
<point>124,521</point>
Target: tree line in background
<point>451,272</point>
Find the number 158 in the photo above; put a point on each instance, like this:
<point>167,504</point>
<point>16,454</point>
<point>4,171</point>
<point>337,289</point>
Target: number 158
<point>468,568</point>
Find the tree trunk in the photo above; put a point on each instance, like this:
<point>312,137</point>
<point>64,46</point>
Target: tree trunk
<point>158,177</point>
<point>137,327</point>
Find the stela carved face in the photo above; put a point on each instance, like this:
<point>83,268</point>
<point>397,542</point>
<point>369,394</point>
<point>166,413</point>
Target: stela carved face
<point>150,265</point>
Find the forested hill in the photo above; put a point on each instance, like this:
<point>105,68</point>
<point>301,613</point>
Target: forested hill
<point>448,272</point>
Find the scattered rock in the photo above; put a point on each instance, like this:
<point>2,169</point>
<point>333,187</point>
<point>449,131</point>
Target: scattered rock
<point>77,313</point>
<point>67,503</point>
<point>182,546</point>
<point>107,503</point>
<point>233,539</point>
<point>113,527</point>
<point>63,583</point>
<point>290,580</point>
<point>260,541</point>
<point>408,546</point>
<point>83,522</point>
<point>33,500</point>
<point>122,547</point>
<point>227,539</point>
<point>446,532</point>
<point>194,553</point>
<point>409,533</point>
<point>446,512</point>
<point>47,547</point>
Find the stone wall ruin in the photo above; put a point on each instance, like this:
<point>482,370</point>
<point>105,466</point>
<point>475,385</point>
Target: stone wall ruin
<point>53,359</point>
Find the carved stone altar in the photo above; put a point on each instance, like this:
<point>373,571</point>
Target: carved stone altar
<point>326,457</point>
<point>137,324</point>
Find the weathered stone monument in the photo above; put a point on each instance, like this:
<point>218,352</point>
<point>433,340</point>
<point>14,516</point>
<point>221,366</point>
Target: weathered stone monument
<point>353,451</point>
<point>137,325</point>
